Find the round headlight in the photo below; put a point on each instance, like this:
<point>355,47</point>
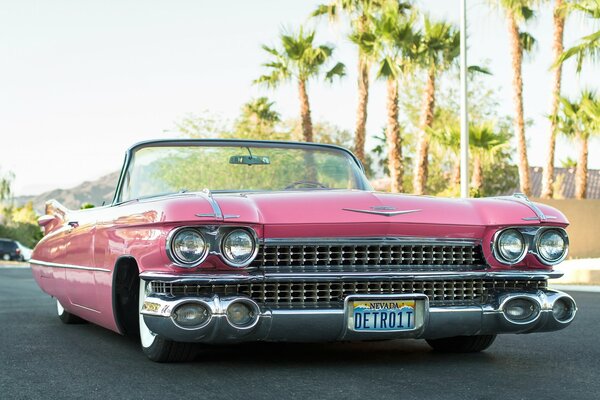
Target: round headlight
<point>510,246</point>
<point>552,246</point>
<point>188,247</point>
<point>238,248</point>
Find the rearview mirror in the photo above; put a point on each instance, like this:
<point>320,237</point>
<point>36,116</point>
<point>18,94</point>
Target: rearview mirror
<point>249,160</point>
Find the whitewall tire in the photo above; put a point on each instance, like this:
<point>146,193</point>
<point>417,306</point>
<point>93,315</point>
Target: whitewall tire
<point>155,346</point>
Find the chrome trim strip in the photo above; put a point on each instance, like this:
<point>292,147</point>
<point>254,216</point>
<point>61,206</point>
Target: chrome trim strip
<point>372,240</point>
<point>383,213</point>
<point>66,266</point>
<point>215,278</point>
<point>213,204</point>
<point>523,199</point>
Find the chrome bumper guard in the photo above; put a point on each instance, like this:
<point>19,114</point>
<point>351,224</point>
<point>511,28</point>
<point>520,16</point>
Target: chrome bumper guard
<point>323,325</point>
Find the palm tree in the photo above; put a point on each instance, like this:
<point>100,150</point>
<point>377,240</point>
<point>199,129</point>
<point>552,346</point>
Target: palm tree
<point>485,141</point>
<point>260,111</point>
<point>578,120</point>
<point>559,27</point>
<point>392,42</point>
<point>588,47</point>
<point>439,47</point>
<point>359,12</point>
<point>300,60</point>
<point>258,120</point>
<point>517,12</point>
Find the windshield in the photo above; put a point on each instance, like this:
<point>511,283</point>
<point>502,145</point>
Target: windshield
<point>159,170</point>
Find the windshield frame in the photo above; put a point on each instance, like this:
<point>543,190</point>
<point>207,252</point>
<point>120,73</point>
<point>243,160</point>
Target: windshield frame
<point>361,179</point>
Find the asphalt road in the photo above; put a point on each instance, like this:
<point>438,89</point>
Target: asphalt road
<point>42,358</point>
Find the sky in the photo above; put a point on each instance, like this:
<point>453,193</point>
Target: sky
<point>81,81</point>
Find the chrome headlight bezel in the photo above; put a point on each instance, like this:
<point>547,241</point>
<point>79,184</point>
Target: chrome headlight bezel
<point>172,253</point>
<point>538,238</point>
<point>251,254</point>
<point>498,254</point>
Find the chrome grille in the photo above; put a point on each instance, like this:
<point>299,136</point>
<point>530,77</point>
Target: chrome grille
<point>320,294</point>
<point>385,256</point>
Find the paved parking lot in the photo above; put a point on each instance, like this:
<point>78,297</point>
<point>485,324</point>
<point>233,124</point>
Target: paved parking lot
<point>42,358</point>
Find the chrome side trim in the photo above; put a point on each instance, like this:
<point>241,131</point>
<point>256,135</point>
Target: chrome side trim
<point>66,266</point>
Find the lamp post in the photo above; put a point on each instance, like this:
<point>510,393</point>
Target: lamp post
<point>464,117</point>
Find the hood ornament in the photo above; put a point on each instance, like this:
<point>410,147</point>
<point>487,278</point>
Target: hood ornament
<point>386,211</point>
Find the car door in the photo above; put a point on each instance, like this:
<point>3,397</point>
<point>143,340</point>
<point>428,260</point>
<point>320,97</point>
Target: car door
<point>79,260</point>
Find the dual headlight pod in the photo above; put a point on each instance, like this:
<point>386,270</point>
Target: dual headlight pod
<point>188,247</point>
<point>550,245</point>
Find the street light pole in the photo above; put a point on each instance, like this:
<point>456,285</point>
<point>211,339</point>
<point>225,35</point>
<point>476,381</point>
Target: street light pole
<point>464,117</point>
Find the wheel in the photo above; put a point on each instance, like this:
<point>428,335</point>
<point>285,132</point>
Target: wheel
<point>66,317</point>
<point>155,346</point>
<point>462,344</point>
<point>6,257</point>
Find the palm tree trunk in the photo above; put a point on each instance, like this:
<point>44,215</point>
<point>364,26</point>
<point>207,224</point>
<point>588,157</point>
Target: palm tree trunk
<point>517,64</point>
<point>421,170</point>
<point>361,112</point>
<point>456,173</point>
<point>477,177</point>
<point>363,99</point>
<point>307,130</point>
<point>394,141</point>
<point>559,27</point>
<point>581,172</point>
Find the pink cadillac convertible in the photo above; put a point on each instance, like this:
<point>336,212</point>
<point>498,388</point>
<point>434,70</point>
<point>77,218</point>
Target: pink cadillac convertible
<point>225,241</point>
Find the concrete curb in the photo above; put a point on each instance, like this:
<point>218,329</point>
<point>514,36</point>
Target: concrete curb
<point>583,271</point>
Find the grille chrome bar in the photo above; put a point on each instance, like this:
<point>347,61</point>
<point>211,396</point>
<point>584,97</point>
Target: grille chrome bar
<point>369,255</point>
<point>326,294</point>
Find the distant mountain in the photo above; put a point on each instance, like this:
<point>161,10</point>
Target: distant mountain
<point>94,192</point>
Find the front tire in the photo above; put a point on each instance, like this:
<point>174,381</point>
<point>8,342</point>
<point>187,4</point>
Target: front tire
<point>157,348</point>
<point>462,344</point>
<point>66,317</point>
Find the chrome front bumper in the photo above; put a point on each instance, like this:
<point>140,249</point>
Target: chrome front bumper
<point>325,325</point>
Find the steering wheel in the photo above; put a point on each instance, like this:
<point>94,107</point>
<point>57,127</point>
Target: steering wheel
<point>307,183</point>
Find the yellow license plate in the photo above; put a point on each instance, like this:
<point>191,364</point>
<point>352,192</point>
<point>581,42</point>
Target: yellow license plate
<point>383,315</point>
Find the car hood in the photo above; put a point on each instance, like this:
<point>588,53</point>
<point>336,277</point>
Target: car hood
<point>363,207</point>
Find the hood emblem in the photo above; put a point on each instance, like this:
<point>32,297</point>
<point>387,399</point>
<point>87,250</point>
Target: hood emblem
<point>386,211</point>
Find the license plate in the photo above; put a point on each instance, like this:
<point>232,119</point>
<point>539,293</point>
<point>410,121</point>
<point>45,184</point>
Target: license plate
<point>383,315</point>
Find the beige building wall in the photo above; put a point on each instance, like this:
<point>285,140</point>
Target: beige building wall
<point>584,230</point>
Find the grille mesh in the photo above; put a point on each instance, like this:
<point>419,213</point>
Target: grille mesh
<point>332,294</point>
<point>281,258</point>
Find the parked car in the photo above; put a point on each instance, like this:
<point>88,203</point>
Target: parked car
<point>25,252</point>
<point>11,250</point>
<point>225,241</point>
